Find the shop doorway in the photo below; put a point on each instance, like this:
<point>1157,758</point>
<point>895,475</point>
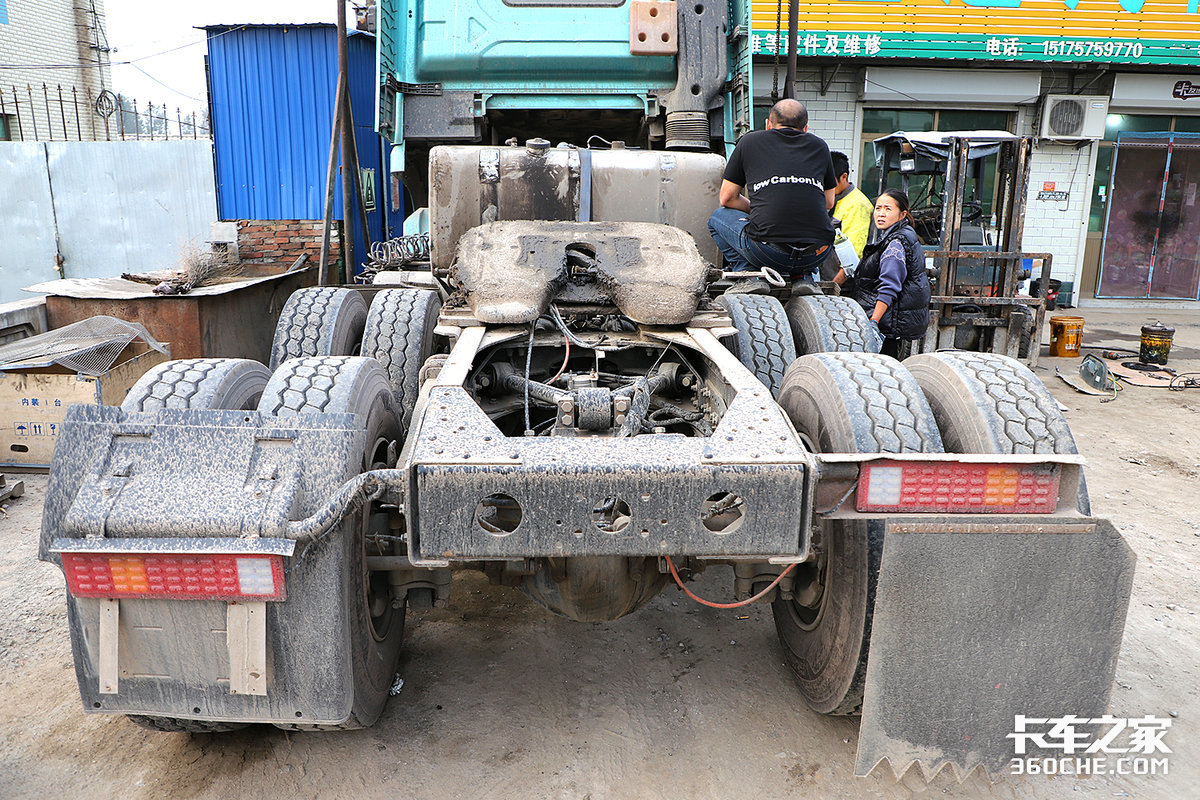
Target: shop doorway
<point>1153,218</point>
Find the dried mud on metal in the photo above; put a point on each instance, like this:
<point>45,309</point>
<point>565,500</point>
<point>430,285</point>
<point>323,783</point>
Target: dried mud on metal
<point>502,700</point>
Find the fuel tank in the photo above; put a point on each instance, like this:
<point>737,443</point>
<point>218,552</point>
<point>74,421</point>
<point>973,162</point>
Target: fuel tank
<point>471,186</point>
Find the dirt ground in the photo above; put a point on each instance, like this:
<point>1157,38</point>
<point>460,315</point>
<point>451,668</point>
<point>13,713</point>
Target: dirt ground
<point>503,700</point>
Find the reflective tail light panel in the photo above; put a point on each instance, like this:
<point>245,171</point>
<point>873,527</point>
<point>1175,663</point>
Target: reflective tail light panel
<point>169,576</point>
<point>949,487</point>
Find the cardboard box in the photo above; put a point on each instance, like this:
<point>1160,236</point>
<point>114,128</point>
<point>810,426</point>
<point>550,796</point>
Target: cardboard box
<point>33,401</point>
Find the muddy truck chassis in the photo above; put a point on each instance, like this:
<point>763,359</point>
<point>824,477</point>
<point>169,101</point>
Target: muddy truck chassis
<point>573,410</point>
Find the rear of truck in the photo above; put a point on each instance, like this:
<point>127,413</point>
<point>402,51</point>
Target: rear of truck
<point>563,403</point>
<point>572,413</point>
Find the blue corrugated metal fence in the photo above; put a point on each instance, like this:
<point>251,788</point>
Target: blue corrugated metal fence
<point>271,89</point>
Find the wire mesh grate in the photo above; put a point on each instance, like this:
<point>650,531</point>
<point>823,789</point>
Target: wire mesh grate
<point>89,347</point>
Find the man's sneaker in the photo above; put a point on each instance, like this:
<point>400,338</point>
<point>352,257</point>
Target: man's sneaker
<point>749,286</point>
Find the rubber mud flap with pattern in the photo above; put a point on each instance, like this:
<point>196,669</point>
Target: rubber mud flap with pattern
<point>950,667</point>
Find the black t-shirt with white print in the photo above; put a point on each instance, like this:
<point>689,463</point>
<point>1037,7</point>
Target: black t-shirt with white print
<point>786,173</point>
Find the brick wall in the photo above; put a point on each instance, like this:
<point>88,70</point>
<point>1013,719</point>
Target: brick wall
<point>280,242</point>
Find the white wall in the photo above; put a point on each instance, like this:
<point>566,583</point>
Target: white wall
<point>833,116</point>
<point>49,32</point>
<point>1057,226</point>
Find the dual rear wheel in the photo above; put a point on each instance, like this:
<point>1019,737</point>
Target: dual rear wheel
<point>331,354</point>
<point>860,402</point>
<point>842,399</point>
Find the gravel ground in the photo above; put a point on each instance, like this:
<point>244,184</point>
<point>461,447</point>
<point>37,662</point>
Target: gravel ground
<point>503,700</point>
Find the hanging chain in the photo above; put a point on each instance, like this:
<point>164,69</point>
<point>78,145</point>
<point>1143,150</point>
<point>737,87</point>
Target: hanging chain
<point>775,73</point>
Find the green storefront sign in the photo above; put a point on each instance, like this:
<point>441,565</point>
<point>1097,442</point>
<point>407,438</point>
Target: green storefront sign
<point>1029,31</point>
<point>863,44</point>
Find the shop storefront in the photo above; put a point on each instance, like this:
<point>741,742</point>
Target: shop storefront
<point>1109,88</point>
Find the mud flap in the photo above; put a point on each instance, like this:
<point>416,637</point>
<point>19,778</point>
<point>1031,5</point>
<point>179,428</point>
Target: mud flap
<point>192,480</point>
<point>972,628</point>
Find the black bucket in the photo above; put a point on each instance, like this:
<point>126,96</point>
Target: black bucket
<point>1052,287</point>
<point>1156,343</point>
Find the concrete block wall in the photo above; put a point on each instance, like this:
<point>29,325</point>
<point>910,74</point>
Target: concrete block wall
<point>279,242</point>
<point>1057,226</point>
<point>834,115</point>
<point>46,32</point>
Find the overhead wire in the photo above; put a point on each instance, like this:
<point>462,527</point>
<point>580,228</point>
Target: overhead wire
<point>131,60</point>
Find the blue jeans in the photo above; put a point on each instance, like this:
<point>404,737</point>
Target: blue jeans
<point>742,254</point>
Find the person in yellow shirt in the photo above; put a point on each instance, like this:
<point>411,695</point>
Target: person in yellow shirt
<point>853,208</point>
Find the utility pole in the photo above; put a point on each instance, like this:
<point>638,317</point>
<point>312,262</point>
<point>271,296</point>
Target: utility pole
<point>789,87</point>
<point>348,155</point>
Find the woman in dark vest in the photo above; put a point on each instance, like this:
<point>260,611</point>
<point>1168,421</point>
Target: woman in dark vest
<point>890,283</point>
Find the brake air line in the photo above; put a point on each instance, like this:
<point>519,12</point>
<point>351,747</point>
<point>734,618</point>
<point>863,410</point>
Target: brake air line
<point>738,604</point>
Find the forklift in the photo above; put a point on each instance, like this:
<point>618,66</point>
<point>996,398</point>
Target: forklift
<point>976,263</point>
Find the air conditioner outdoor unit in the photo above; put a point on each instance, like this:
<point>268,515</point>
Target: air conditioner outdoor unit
<point>1073,116</point>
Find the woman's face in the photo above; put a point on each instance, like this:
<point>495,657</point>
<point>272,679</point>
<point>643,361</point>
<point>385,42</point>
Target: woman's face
<point>887,212</point>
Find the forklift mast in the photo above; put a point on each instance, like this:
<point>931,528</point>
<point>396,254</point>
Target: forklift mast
<point>976,263</point>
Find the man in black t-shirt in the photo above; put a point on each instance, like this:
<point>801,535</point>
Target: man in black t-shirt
<point>784,221</point>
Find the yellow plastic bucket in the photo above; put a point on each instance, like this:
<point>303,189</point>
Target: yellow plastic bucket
<point>1066,334</point>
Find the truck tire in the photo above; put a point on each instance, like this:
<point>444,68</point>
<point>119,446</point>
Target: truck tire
<point>844,403</point>
<point>229,383</point>
<point>989,403</point>
<point>1025,345</point>
<point>828,324</point>
<point>320,321</point>
<point>399,335</point>
<point>174,725</point>
<point>350,384</point>
<point>764,337</point>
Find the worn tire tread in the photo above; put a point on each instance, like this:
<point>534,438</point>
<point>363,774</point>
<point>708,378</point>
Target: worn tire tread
<point>397,334</point>
<point>176,725</point>
<point>1021,414</point>
<point>764,339</point>
<point>309,321</point>
<point>195,383</point>
<point>357,385</point>
<point>848,402</point>
<point>827,324</point>
<point>990,403</point>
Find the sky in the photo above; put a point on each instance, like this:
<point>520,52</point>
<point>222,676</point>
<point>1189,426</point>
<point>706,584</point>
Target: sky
<point>141,30</point>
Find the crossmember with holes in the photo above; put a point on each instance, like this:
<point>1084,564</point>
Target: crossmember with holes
<point>743,491</point>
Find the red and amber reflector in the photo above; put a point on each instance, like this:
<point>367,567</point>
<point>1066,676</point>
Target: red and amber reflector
<point>950,487</point>
<point>215,576</point>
